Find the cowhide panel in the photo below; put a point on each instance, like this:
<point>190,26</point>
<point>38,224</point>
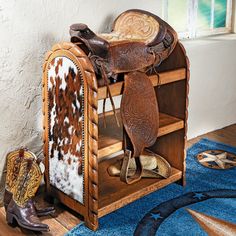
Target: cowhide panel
<point>65,96</point>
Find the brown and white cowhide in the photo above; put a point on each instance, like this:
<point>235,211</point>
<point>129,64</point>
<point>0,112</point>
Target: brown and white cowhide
<point>65,93</point>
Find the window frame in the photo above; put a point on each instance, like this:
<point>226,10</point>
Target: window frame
<point>192,31</point>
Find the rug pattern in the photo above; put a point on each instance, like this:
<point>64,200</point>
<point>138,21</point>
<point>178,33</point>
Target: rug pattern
<point>163,213</point>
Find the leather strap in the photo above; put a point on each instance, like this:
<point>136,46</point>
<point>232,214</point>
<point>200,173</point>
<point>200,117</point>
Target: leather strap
<point>125,167</point>
<point>104,75</point>
<point>21,152</point>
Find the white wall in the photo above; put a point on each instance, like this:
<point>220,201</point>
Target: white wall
<point>29,28</point>
<point>212,96</point>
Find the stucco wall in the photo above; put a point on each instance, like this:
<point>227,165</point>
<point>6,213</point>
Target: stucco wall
<point>30,28</point>
<point>212,97</point>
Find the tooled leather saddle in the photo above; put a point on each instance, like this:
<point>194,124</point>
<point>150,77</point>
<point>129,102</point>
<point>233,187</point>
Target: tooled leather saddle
<point>138,42</point>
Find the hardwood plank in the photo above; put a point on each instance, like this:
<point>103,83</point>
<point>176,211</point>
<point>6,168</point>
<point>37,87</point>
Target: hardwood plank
<point>116,89</point>
<point>114,194</point>
<point>55,227</point>
<point>171,76</point>
<point>159,79</point>
<point>110,138</point>
<point>66,217</point>
<point>63,214</point>
<point>114,147</point>
<point>225,135</point>
<point>169,124</point>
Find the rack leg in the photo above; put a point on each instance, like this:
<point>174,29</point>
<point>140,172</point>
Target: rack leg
<point>91,225</point>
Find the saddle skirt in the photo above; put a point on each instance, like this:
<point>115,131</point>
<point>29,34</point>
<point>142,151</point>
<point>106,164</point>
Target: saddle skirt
<point>139,111</point>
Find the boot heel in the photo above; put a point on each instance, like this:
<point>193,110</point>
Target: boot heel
<point>5,206</point>
<point>9,218</point>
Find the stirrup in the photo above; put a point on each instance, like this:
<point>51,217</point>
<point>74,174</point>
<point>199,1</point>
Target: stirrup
<point>125,168</point>
<point>154,166</point>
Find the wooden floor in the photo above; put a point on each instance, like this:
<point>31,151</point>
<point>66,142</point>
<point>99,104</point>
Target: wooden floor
<point>65,220</point>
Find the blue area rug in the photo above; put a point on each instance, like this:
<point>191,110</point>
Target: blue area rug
<point>209,191</point>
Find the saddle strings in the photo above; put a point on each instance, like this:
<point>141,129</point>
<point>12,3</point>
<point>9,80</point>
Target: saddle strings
<point>103,111</point>
<point>98,63</point>
<point>104,75</point>
<point>154,65</point>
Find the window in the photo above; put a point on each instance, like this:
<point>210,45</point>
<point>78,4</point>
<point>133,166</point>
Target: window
<point>195,18</point>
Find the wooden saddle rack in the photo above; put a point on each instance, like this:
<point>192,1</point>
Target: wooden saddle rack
<point>139,41</point>
<point>96,169</point>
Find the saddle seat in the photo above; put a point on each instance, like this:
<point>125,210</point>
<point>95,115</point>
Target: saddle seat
<point>133,32</point>
<point>133,27</point>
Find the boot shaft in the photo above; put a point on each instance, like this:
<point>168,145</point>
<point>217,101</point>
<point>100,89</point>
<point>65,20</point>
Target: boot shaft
<point>14,160</point>
<point>28,181</point>
<point>23,175</point>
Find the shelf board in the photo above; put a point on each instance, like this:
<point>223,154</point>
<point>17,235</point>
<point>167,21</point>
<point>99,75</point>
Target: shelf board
<point>160,79</point>
<point>114,194</point>
<point>110,138</point>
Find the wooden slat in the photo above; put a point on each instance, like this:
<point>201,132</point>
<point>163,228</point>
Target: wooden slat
<point>114,194</point>
<point>171,76</point>
<point>63,215</point>
<point>161,78</point>
<point>110,138</point>
<point>226,135</point>
<point>113,148</point>
<point>56,228</point>
<point>66,218</point>
<point>169,124</point>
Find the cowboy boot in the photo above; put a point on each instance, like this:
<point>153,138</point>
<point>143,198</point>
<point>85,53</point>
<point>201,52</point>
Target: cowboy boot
<point>14,160</point>
<point>21,207</point>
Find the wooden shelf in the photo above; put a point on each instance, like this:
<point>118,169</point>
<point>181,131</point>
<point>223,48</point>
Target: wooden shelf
<point>114,194</point>
<point>110,138</point>
<point>161,78</point>
<point>103,146</point>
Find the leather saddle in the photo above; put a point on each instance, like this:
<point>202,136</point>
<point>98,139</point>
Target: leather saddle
<point>138,42</point>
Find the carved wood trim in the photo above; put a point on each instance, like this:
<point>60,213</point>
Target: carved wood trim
<point>90,130</point>
<point>186,108</point>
